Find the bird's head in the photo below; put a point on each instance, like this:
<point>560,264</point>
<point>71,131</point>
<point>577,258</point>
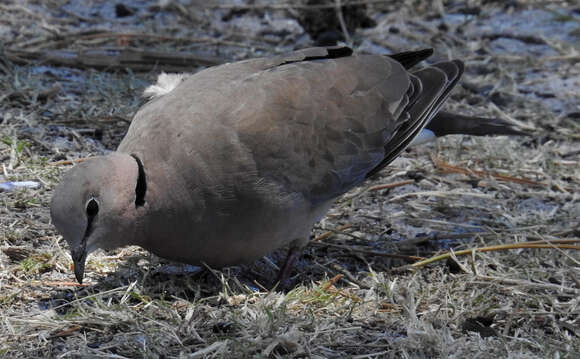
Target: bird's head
<point>96,205</point>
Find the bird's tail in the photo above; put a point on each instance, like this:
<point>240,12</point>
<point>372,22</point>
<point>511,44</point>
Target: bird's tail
<point>446,123</point>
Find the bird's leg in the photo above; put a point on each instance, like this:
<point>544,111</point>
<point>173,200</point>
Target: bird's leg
<point>284,274</point>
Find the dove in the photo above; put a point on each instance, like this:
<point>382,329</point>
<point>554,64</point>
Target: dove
<point>238,160</point>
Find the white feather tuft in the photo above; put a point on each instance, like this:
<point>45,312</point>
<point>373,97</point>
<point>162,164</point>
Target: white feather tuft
<point>165,84</point>
<point>423,137</point>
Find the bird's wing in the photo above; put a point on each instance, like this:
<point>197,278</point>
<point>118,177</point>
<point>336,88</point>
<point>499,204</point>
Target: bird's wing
<point>319,126</point>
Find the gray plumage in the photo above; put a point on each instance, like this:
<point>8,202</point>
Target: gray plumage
<point>241,159</point>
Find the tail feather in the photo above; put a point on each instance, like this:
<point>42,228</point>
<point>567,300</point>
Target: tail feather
<point>446,123</point>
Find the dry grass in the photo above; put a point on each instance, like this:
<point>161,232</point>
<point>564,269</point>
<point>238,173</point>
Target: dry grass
<point>349,300</point>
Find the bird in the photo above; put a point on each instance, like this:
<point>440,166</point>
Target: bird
<point>238,160</point>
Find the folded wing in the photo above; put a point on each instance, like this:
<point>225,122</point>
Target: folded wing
<point>321,125</point>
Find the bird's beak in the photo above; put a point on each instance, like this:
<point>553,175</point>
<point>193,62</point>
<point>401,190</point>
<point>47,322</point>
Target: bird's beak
<point>79,256</point>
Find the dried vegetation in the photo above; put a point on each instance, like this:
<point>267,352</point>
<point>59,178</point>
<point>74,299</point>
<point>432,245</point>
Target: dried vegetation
<point>354,294</point>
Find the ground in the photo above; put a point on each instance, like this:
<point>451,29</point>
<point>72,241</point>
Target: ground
<point>64,97</point>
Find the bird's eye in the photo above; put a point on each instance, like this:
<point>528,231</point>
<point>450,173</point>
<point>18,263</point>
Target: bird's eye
<point>92,207</point>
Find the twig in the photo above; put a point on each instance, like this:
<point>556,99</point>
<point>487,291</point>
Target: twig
<point>67,38</point>
<point>340,16</point>
<point>80,17</point>
<point>571,154</point>
<point>294,6</point>
<point>68,162</point>
<point>376,188</point>
<point>332,282</point>
<point>508,118</point>
<point>572,58</point>
<point>62,284</point>
<point>90,296</point>
<point>563,244</point>
<point>466,171</point>
<point>436,236</point>
<point>259,285</point>
<point>115,58</point>
<point>329,234</point>
<point>66,332</point>
<point>441,194</point>
<point>349,276</point>
<point>390,185</point>
<point>529,39</point>
<point>530,284</point>
<point>370,253</point>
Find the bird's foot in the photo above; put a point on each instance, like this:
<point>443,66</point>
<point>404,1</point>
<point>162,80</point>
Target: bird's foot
<point>283,280</point>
